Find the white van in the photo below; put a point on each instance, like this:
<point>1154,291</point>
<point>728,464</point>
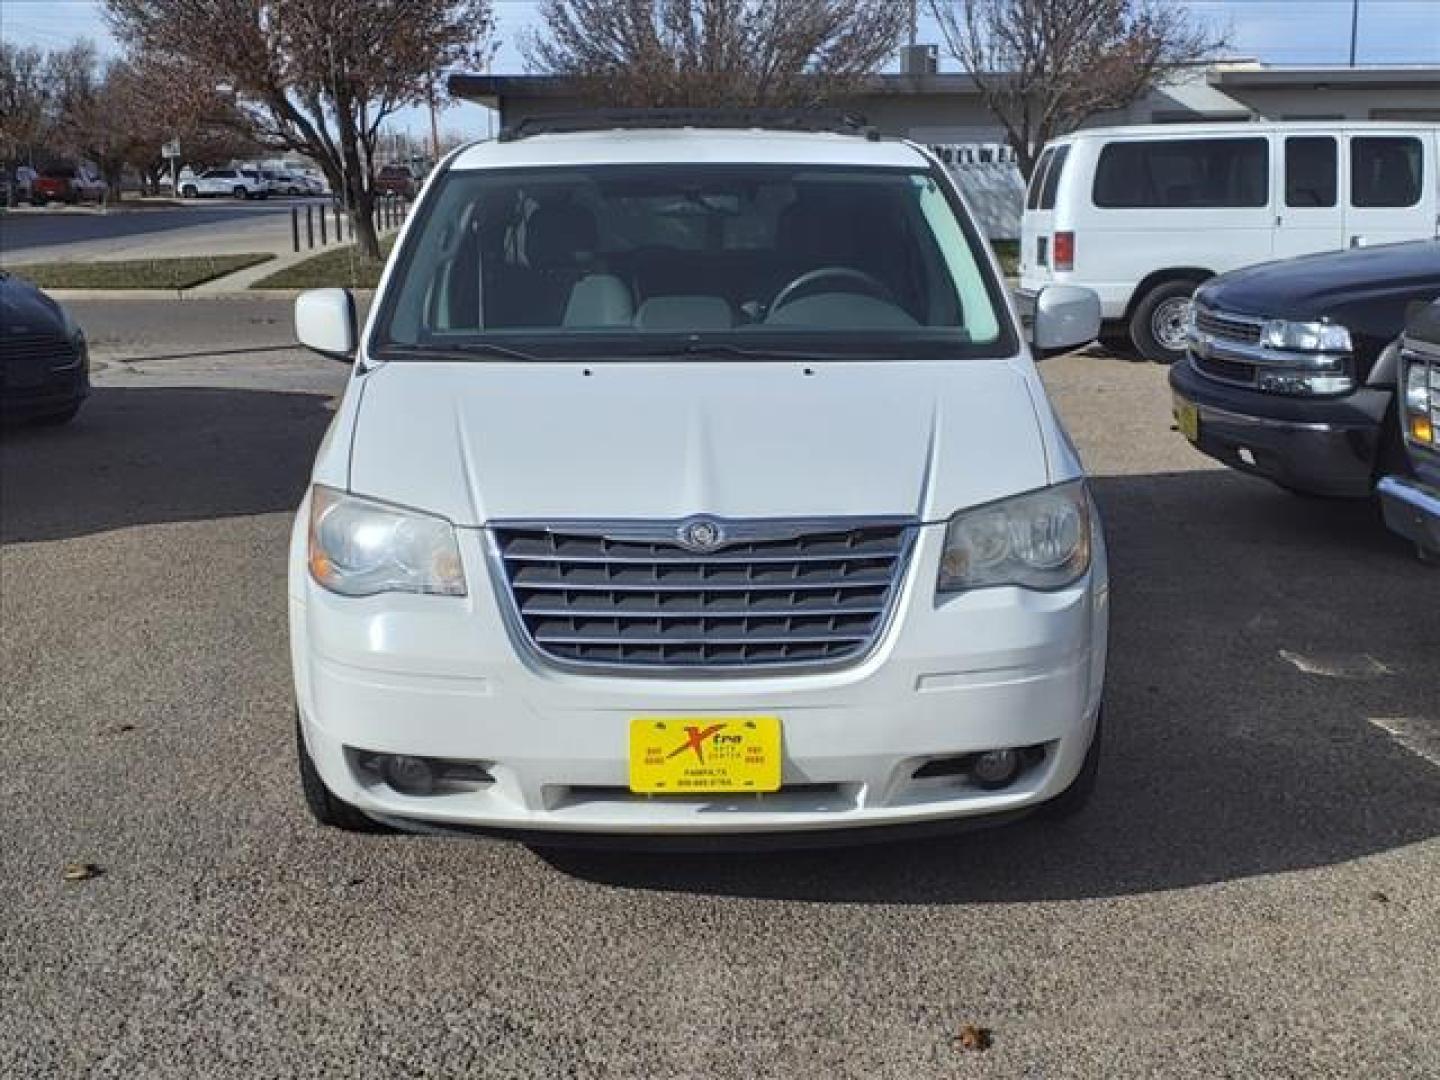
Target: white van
<point>1141,215</point>
<point>695,482</point>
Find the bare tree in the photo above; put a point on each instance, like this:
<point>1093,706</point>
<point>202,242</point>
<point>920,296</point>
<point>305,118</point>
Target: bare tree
<point>1045,66</point>
<point>700,53</point>
<point>24,101</point>
<point>316,76</point>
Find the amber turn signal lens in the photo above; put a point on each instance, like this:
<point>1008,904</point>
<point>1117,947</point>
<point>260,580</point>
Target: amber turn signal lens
<point>1422,430</point>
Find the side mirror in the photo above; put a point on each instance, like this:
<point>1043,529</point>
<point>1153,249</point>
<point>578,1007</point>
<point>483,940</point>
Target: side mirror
<point>1066,317</point>
<point>325,322</point>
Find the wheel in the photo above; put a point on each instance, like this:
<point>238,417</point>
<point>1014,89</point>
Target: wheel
<point>1074,798</point>
<point>1157,326</point>
<point>55,419</point>
<point>323,806</point>
<point>189,192</point>
<point>241,193</point>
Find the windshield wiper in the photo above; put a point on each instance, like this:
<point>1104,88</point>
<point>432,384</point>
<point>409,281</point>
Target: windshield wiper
<point>470,350</point>
<point>740,352</point>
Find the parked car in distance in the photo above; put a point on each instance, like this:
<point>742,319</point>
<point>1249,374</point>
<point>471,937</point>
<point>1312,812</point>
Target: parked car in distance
<point>228,182</point>
<point>802,546</point>
<point>68,184</point>
<point>285,183</point>
<point>1288,375</point>
<point>1142,215</point>
<point>396,180</point>
<point>44,362</point>
<point>1411,500</point>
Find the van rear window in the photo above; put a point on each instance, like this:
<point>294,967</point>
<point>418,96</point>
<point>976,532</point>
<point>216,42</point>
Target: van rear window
<point>1183,174</point>
<point>1037,180</point>
<point>1052,178</point>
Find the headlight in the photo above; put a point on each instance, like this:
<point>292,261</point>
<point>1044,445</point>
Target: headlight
<point>361,548</point>
<point>71,327</point>
<point>1305,336</point>
<point>1037,541</point>
<point>1421,402</point>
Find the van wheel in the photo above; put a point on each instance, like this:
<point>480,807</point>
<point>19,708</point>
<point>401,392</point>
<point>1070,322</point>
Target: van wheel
<point>1074,798</point>
<point>241,193</point>
<point>1157,326</point>
<point>323,806</point>
<point>188,191</point>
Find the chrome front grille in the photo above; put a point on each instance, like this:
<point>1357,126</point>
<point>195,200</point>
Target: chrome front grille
<point>632,596</point>
<point>1223,327</point>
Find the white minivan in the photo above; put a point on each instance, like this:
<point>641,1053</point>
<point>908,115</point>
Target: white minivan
<point>1142,215</point>
<point>694,481</point>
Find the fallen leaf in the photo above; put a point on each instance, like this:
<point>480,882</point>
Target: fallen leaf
<point>82,871</point>
<point>1379,897</point>
<point>975,1038</point>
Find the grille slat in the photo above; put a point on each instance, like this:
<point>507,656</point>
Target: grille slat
<point>813,594</point>
<point>1227,327</point>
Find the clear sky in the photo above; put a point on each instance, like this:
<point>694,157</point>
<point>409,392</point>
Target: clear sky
<point>1275,31</point>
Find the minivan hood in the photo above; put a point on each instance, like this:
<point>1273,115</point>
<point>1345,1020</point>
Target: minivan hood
<point>483,442</point>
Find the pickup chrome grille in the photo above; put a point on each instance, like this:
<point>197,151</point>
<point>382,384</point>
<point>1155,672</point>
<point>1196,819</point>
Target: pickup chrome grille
<point>633,597</point>
<point>1224,327</point>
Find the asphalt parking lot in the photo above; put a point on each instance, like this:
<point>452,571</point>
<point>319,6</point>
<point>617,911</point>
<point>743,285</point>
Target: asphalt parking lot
<point>1255,890</point>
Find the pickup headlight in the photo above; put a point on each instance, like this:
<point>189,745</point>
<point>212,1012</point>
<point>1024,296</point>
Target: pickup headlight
<point>1305,336</point>
<point>1421,402</point>
<point>359,547</point>
<point>1041,540</point>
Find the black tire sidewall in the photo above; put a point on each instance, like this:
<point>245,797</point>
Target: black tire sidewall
<point>1140,333</point>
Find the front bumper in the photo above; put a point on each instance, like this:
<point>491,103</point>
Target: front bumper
<point>59,392</point>
<point>1412,509</point>
<point>441,678</point>
<point>1325,446</point>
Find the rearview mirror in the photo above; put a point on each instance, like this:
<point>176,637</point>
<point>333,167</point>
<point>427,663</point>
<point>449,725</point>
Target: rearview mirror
<point>325,322</point>
<point>1066,317</point>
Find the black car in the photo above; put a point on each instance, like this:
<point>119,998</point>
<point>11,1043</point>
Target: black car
<point>1287,373</point>
<point>44,361</point>
<point>1412,503</point>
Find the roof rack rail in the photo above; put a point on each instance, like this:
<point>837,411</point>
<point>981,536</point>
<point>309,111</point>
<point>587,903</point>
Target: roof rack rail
<point>814,120</point>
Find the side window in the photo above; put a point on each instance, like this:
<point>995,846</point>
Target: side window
<point>1183,174</point>
<point>1386,170</point>
<point>1052,178</point>
<point>1037,180</point>
<point>1311,171</point>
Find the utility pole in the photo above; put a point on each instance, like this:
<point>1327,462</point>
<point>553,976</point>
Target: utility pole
<point>1354,28</point>
<point>434,129</point>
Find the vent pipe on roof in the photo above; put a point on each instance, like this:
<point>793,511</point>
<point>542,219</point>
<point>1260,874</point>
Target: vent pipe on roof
<point>919,59</point>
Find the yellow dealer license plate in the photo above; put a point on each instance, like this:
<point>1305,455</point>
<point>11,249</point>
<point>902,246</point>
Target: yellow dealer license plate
<point>699,755</point>
<point>1187,419</point>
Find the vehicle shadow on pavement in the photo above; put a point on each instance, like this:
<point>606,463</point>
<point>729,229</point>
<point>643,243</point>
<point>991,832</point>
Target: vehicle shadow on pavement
<point>158,454</point>
<point>1224,758</point>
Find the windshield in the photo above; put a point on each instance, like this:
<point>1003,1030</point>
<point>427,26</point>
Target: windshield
<point>636,260</point>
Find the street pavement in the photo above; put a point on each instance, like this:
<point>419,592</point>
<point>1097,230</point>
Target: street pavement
<point>204,227</point>
<point>1253,892</point>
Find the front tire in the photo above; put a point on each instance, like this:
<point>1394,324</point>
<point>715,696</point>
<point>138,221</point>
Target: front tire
<point>324,807</point>
<point>240,193</point>
<point>189,192</point>
<point>1157,326</point>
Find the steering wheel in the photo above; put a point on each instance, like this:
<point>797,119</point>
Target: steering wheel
<point>807,281</point>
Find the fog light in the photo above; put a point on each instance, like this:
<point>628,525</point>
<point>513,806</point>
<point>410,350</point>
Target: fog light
<point>995,768</point>
<point>408,775</point>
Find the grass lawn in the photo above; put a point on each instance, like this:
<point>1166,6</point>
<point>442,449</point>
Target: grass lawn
<point>1008,252</point>
<point>135,273</point>
<point>342,267</point>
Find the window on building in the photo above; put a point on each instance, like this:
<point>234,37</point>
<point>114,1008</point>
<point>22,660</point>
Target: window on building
<point>1311,171</point>
<point>1183,174</point>
<point>1386,170</point>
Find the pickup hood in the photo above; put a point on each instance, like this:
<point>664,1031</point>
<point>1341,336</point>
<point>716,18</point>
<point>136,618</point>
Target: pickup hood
<point>1317,286</point>
<point>481,442</point>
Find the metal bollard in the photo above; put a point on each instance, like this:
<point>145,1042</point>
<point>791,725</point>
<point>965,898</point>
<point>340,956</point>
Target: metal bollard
<point>295,229</point>
<point>309,226</point>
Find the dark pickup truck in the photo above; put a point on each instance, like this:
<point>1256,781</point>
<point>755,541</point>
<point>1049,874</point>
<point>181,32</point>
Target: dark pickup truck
<point>1412,502</point>
<point>1289,373</point>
